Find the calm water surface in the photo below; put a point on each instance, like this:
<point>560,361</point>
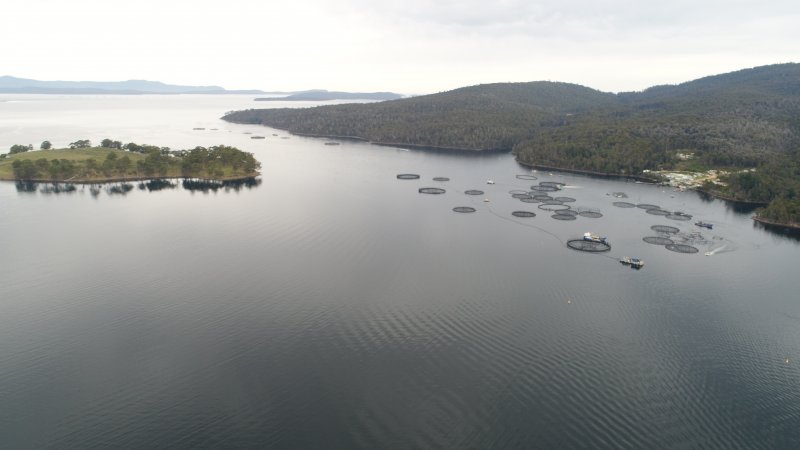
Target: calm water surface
<point>333,306</point>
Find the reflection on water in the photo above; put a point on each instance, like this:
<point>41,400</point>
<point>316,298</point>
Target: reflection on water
<point>31,187</point>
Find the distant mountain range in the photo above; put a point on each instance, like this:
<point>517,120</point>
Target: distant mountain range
<point>13,85</point>
<point>322,95</point>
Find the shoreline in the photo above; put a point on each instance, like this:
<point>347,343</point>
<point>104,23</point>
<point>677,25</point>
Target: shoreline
<point>761,220</point>
<point>587,172</point>
<point>134,178</point>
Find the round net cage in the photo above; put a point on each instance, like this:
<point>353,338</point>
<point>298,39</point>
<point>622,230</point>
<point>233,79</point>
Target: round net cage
<point>624,205</point>
<point>559,216</point>
<point>588,246</point>
<point>526,177</point>
<point>568,212</point>
<point>541,188</point>
<point>555,184</point>
<point>464,209</point>
<point>523,214</point>
<point>473,192</point>
<point>552,207</point>
<point>542,197</point>
<point>525,195</point>
<point>529,200</point>
<point>657,212</point>
<point>665,229</point>
<point>647,206</point>
<point>408,176</point>
<point>441,179</point>
<point>431,190</point>
<point>552,202</point>
<point>591,214</point>
<point>682,248</point>
<point>681,217</point>
<point>517,191</point>
<point>657,240</point>
<point>565,199</point>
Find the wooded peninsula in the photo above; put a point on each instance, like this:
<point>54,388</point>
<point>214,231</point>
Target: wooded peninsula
<point>114,161</point>
<point>745,123</point>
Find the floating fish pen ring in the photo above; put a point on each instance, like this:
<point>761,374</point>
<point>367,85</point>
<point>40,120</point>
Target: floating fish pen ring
<point>658,212</point>
<point>545,188</point>
<point>464,209</point>
<point>554,184</point>
<point>521,196</point>
<point>658,240</point>
<point>549,206</point>
<point>523,214</point>
<point>682,217</point>
<point>591,214</point>
<point>682,248</point>
<point>647,206</point>
<point>526,177</point>
<point>529,200</point>
<point>473,192</point>
<point>624,205</point>
<point>588,246</point>
<point>560,216</point>
<point>431,190</point>
<point>564,199</point>
<point>665,229</point>
<point>441,179</point>
<point>408,176</point>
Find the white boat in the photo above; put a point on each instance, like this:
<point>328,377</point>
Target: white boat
<point>588,236</point>
<point>489,181</point>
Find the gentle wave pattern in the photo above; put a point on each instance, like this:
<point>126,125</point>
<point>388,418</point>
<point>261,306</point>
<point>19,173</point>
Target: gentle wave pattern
<point>334,306</point>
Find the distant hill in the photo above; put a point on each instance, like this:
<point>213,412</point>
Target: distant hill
<point>15,85</point>
<point>322,95</point>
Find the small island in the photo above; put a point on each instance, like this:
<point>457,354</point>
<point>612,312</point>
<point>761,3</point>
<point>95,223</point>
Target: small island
<point>112,161</point>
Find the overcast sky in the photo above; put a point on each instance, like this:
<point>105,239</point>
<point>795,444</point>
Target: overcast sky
<point>407,46</point>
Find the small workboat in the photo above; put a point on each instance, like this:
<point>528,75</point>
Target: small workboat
<point>704,225</point>
<point>635,263</point>
<point>588,236</point>
<point>489,181</point>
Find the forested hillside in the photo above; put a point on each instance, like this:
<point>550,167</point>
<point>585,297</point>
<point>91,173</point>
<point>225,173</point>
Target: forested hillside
<point>744,119</point>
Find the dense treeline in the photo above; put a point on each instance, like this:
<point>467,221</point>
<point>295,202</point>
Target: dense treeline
<point>749,118</point>
<point>109,162</point>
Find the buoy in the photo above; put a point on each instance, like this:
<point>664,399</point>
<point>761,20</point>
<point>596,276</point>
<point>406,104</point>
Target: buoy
<point>569,302</point>
<point>786,360</point>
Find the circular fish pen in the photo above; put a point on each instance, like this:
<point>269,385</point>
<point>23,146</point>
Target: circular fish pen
<point>657,212</point>
<point>569,212</point>
<point>441,179</point>
<point>588,246</point>
<point>541,188</point>
<point>682,248</point>
<point>624,205</point>
<point>647,206</point>
<point>590,214</point>
<point>542,197</point>
<point>408,176</point>
<point>431,190</point>
<point>523,214</point>
<point>559,216</point>
<point>526,177</point>
<point>681,217</point>
<point>473,192</point>
<point>520,196</point>
<point>658,240</point>
<point>464,209</point>
<point>553,207</point>
<point>517,191</point>
<point>529,200</point>
<point>564,199</point>
<point>554,184</point>
<point>665,229</point>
